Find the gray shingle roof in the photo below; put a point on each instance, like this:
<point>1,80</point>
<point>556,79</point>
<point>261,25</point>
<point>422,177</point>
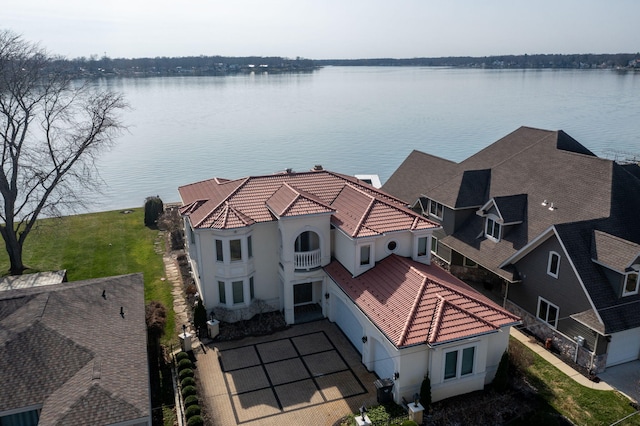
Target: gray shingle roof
<point>588,193</point>
<point>66,346</point>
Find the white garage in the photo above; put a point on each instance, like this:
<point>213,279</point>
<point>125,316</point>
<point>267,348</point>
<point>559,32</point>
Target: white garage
<point>624,347</point>
<point>382,360</point>
<point>348,323</point>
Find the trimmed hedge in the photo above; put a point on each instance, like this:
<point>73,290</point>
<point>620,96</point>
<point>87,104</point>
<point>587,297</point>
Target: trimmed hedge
<point>182,355</point>
<point>191,400</point>
<point>195,421</point>
<point>187,381</point>
<point>184,363</point>
<point>187,372</point>
<point>188,391</point>
<point>192,410</point>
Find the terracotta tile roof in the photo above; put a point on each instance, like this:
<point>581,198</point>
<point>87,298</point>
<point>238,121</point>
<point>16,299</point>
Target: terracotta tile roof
<point>287,201</point>
<point>414,303</point>
<point>357,209</point>
<point>70,350</point>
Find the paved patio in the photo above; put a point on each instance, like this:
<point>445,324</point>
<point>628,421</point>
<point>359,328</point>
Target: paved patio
<point>308,374</point>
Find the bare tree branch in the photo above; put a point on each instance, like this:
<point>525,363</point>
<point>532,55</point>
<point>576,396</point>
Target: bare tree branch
<point>52,130</point>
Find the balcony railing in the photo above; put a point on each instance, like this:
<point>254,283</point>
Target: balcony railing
<point>306,260</point>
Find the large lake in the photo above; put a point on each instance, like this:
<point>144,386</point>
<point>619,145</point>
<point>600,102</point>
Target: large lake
<point>350,120</point>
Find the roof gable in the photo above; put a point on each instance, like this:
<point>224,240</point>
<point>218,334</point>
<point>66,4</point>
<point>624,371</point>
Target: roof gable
<point>613,252</point>
<point>357,209</point>
<point>413,303</point>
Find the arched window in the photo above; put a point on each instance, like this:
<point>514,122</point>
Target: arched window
<point>307,241</point>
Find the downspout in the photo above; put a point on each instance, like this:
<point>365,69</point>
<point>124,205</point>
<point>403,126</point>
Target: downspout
<point>506,295</point>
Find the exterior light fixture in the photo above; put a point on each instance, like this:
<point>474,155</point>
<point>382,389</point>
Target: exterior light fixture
<point>326,295</point>
<point>396,375</point>
<point>364,339</point>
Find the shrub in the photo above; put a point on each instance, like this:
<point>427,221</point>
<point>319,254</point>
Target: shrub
<point>187,372</point>
<point>425,393</point>
<point>182,355</point>
<point>409,423</point>
<point>153,208</point>
<point>192,410</point>
<point>184,363</point>
<point>195,421</point>
<point>187,381</point>
<point>191,400</point>
<point>200,317</point>
<point>501,380</point>
<point>188,391</point>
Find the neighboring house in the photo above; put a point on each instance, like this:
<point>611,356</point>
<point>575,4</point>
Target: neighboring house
<point>298,242</point>
<point>74,353</point>
<point>554,225</point>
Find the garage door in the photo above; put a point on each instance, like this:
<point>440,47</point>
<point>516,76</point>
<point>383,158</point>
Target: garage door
<point>348,324</point>
<point>624,347</point>
<point>382,361</point>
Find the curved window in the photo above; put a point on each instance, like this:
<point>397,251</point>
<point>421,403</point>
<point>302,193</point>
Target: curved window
<point>307,241</point>
<point>392,245</point>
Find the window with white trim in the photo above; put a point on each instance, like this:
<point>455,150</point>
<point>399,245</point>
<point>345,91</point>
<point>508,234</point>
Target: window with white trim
<point>459,363</point>
<point>630,284</point>
<point>422,246</point>
<point>492,229</point>
<point>237,288</point>
<point>365,255</point>
<point>435,209</point>
<point>249,246</point>
<point>235,247</point>
<point>219,254</point>
<point>548,312</point>
<point>434,245</point>
<point>222,292</point>
<point>553,265</point>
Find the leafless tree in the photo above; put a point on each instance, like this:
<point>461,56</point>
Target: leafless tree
<point>52,128</point>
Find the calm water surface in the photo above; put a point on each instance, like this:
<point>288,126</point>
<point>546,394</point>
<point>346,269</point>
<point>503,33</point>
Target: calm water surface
<point>349,119</point>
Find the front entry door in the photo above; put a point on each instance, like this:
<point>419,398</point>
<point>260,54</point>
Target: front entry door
<point>302,294</point>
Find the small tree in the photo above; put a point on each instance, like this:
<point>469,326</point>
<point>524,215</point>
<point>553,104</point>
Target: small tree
<point>425,392</point>
<point>501,380</point>
<point>200,317</point>
<point>153,207</point>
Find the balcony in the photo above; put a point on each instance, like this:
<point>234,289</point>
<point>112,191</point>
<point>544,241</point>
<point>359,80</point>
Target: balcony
<point>306,260</point>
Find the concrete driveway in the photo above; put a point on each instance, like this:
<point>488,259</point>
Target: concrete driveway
<point>308,374</point>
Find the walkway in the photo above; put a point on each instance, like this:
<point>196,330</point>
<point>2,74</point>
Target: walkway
<point>624,378</point>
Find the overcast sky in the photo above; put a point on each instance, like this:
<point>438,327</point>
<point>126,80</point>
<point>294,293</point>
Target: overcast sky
<point>325,29</point>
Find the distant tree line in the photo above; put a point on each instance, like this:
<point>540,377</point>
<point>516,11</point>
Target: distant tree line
<point>225,65</point>
<point>581,61</point>
<point>187,65</point>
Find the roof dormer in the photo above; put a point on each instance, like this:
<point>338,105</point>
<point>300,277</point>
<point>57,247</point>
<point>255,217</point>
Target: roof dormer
<point>500,212</point>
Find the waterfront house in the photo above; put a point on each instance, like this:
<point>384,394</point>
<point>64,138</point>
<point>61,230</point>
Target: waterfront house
<point>551,226</point>
<point>73,353</point>
<point>330,243</point>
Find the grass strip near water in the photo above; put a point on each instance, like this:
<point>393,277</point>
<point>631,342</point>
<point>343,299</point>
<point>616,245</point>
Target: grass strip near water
<point>98,245</point>
<point>580,404</point>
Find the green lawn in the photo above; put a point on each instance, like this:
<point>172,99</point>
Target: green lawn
<point>99,245</point>
<point>580,404</point>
